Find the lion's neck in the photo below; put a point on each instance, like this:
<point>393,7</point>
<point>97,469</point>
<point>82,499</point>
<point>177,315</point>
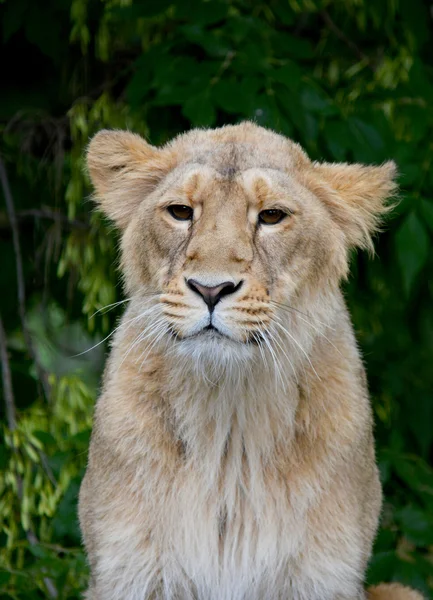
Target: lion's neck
<point>240,416</point>
<point>218,398</point>
<point>220,409</point>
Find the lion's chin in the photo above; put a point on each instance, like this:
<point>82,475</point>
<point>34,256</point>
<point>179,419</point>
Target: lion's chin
<point>212,350</point>
<point>212,333</point>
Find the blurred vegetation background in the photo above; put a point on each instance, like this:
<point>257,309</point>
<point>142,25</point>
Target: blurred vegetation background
<point>351,80</point>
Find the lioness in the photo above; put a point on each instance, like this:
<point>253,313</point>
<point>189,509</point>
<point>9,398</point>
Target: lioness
<point>232,456</point>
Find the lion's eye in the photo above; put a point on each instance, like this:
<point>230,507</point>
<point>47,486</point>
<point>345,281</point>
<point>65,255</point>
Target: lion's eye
<point>271,217</point>
<point>180,212</point>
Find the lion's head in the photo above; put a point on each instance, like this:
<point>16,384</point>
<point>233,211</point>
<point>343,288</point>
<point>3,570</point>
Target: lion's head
<point>229,227</point>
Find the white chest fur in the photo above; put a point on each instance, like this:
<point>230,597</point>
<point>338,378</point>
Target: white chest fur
<point>227,524</point>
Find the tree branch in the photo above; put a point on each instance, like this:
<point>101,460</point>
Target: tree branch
<point>33,541</point>
<point>12,424</point>
<point>11,413</point>
<point>341,35</point>
<point>10,207</point>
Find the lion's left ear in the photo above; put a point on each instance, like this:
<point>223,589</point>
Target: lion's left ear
<point>356,196</point>
<point>124,169</point>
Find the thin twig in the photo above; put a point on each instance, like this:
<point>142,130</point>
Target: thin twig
<point>341,35</point>
<point>11,413</point>
<point>46,466</point>
<point>33,541</point>
<point>10,207</point>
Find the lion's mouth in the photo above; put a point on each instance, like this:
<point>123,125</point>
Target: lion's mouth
<point>211,327</point>
<point>212,332</point>
<point>208,331</point>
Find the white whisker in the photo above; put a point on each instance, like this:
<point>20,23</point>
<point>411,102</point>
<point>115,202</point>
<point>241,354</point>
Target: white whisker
<point>109,307</point>
<point>122,324</point>
<point>285,354</point>
<point>143,335</point>
<point>288,308</point>
<point>298,344</point>
<point>275,360</point>
<point>162,330</point>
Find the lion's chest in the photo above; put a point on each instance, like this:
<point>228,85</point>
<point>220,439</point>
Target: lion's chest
<point>222,524</point>
<point>228,529</point>
<point>230,532</point>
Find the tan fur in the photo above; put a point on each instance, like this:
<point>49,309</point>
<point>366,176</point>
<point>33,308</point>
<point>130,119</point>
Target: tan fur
<point>236,465</point>
<point>393,591</point>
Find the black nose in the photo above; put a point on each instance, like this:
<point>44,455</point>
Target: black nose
<point>212,295</point>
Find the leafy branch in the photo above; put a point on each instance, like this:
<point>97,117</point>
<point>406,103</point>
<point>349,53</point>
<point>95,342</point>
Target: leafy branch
<point>11,416</point>
<point>10,207</point>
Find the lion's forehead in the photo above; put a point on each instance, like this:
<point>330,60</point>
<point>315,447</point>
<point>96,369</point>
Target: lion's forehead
<point>252,183</point>
<point>231,158</point>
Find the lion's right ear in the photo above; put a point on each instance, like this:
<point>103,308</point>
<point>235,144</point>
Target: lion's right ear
<point>124,169</point>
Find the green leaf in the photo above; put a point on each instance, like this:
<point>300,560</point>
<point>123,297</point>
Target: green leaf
<point>42,30</point>
<point>204,12</point>
<point>306,123</point>
<point>412,245</point>
<point>417,525</point>
<point>338,139</point>
<point>140,9</point>
<point>4,577</point>
<point>200,110</point>
<point>284,13</point>
<point>410,173</point>
<point>45,437</point>
<point>295,47</point>
<point>289,74</point>
<point>368,144</point>
<point>426,210</point>
<point>266,113</point>
<point>140,81</point>
<point>39,551</point>
<point>382,567</point>
<point>416,474</point>
<point>13,18</point>
<point>420,421</point>
<point>65,521</point>
<point>314,100</point>
<point>213,43</point>
<point>235,96</point>
<point>409,573</point>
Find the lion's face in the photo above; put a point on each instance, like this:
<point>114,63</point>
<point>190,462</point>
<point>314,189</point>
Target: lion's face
<point>222,246</point>
<point>231,227</point>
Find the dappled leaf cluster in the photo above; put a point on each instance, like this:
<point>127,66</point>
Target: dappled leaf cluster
<point>350,81</point>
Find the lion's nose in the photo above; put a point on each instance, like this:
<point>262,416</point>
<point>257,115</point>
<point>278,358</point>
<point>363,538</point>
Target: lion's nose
<point>212,295</point>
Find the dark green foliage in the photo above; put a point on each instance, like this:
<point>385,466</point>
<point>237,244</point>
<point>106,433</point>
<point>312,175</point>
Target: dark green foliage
<point>351,81</point>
